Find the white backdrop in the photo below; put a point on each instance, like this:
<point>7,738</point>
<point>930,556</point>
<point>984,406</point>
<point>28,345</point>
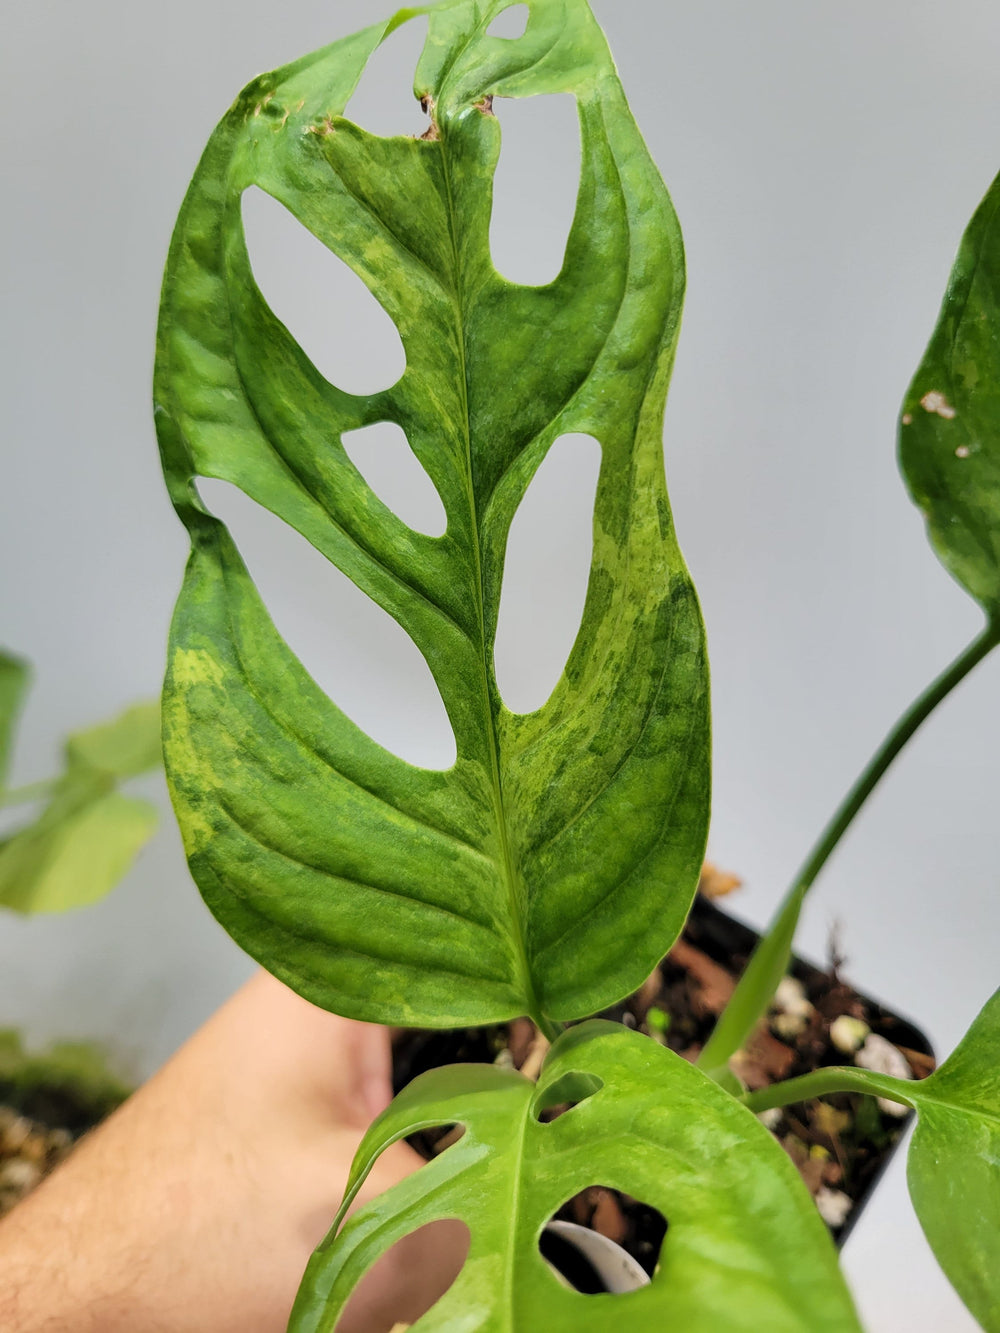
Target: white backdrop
<point>824,160</point>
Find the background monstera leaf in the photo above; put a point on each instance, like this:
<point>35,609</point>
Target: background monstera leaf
<point>745,1248</point>
<point>88,833</point>
<point>949,435</point>
<point>14,677</point>
<point>550,868</point>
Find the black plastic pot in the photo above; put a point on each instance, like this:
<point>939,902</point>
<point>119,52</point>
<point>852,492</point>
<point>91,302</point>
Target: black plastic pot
<point>726,939</point>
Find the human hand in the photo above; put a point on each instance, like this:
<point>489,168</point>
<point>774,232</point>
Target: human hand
<point>195,1207</point>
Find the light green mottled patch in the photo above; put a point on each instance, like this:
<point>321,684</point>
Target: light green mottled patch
<point>195,666</point>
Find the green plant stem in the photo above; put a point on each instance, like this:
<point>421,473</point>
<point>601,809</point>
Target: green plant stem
<point>770,959</point>
<point>548,1027</point>
<point>33,791</point>
<point>823,1082</point>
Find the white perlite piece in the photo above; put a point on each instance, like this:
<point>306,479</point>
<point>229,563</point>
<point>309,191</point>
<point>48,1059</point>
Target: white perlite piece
<point>937,402</point>
<point>791,1010</point>
<point>771,1118</point>
<point>881,1057</point>
<point>833,1205</point>
<point>848,1034</point>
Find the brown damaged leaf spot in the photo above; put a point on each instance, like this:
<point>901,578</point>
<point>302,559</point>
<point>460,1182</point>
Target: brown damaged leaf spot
<point>485,105</point>
<point>325,127</point>
<point>431,133</point>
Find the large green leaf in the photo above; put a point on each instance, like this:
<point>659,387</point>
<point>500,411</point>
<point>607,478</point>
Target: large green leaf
<point>88,834</point>
<point>745,1248</point>
<point>14,677</point>
<point>949,437</point>
<point>550,868</point>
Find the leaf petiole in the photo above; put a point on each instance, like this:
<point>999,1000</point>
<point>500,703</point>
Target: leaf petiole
<point>548,1027</point>
<point>769,960</point>
<point>823,1082</point>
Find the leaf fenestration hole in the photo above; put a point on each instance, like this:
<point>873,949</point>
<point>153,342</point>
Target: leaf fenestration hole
<point>383,102</point>
<point>335,319</point>
<point>563,1095</point>
<point>540,162</point>
<point>511,24</point>
<point>382,454</point>
<point>591,1264</point>
<point>546,570</point>
<point>355,651</point>
<point>435,1140</point>
<point>409,1279</point>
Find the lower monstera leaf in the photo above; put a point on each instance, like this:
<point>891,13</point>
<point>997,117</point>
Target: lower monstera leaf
<point>745,1248</point>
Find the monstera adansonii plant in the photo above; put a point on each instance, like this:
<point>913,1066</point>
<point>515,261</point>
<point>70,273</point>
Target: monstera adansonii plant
<point>548,870</point>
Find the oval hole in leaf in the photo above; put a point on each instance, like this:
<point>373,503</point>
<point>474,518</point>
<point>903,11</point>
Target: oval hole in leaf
<point>637,1227</point>
<point>355,651</point>
<point>535,187</point>
<point>326,307</point>
<point>567,1092</point>
<point>383,102</point>
<point>382,454</point>
<point>432,1142</point>
<point>512,23</point>
<point>430,1259</point>
<point>546,570</point>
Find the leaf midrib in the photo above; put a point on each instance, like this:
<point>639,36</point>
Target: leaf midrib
<point>515,899</point>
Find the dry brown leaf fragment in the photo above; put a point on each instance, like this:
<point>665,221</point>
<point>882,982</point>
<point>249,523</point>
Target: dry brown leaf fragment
<point>826,1119</point>
<point>715,984</point>
<point>716,883</point>
<point>762,1061</point>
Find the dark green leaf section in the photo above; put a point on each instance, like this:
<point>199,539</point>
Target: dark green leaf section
<point>15,675</point>
<point>745,1249</point>
<point>88,833</point>
<point>949,436</point>
<point>550,868</point>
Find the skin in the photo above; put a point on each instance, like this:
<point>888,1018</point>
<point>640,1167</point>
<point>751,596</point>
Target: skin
<point>195,1207</point>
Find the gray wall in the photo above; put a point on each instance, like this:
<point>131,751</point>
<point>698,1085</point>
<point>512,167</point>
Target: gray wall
<point>824,160</point>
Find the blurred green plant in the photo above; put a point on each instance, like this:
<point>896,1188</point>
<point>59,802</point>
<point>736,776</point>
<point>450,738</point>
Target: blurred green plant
<point>77,846</point>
